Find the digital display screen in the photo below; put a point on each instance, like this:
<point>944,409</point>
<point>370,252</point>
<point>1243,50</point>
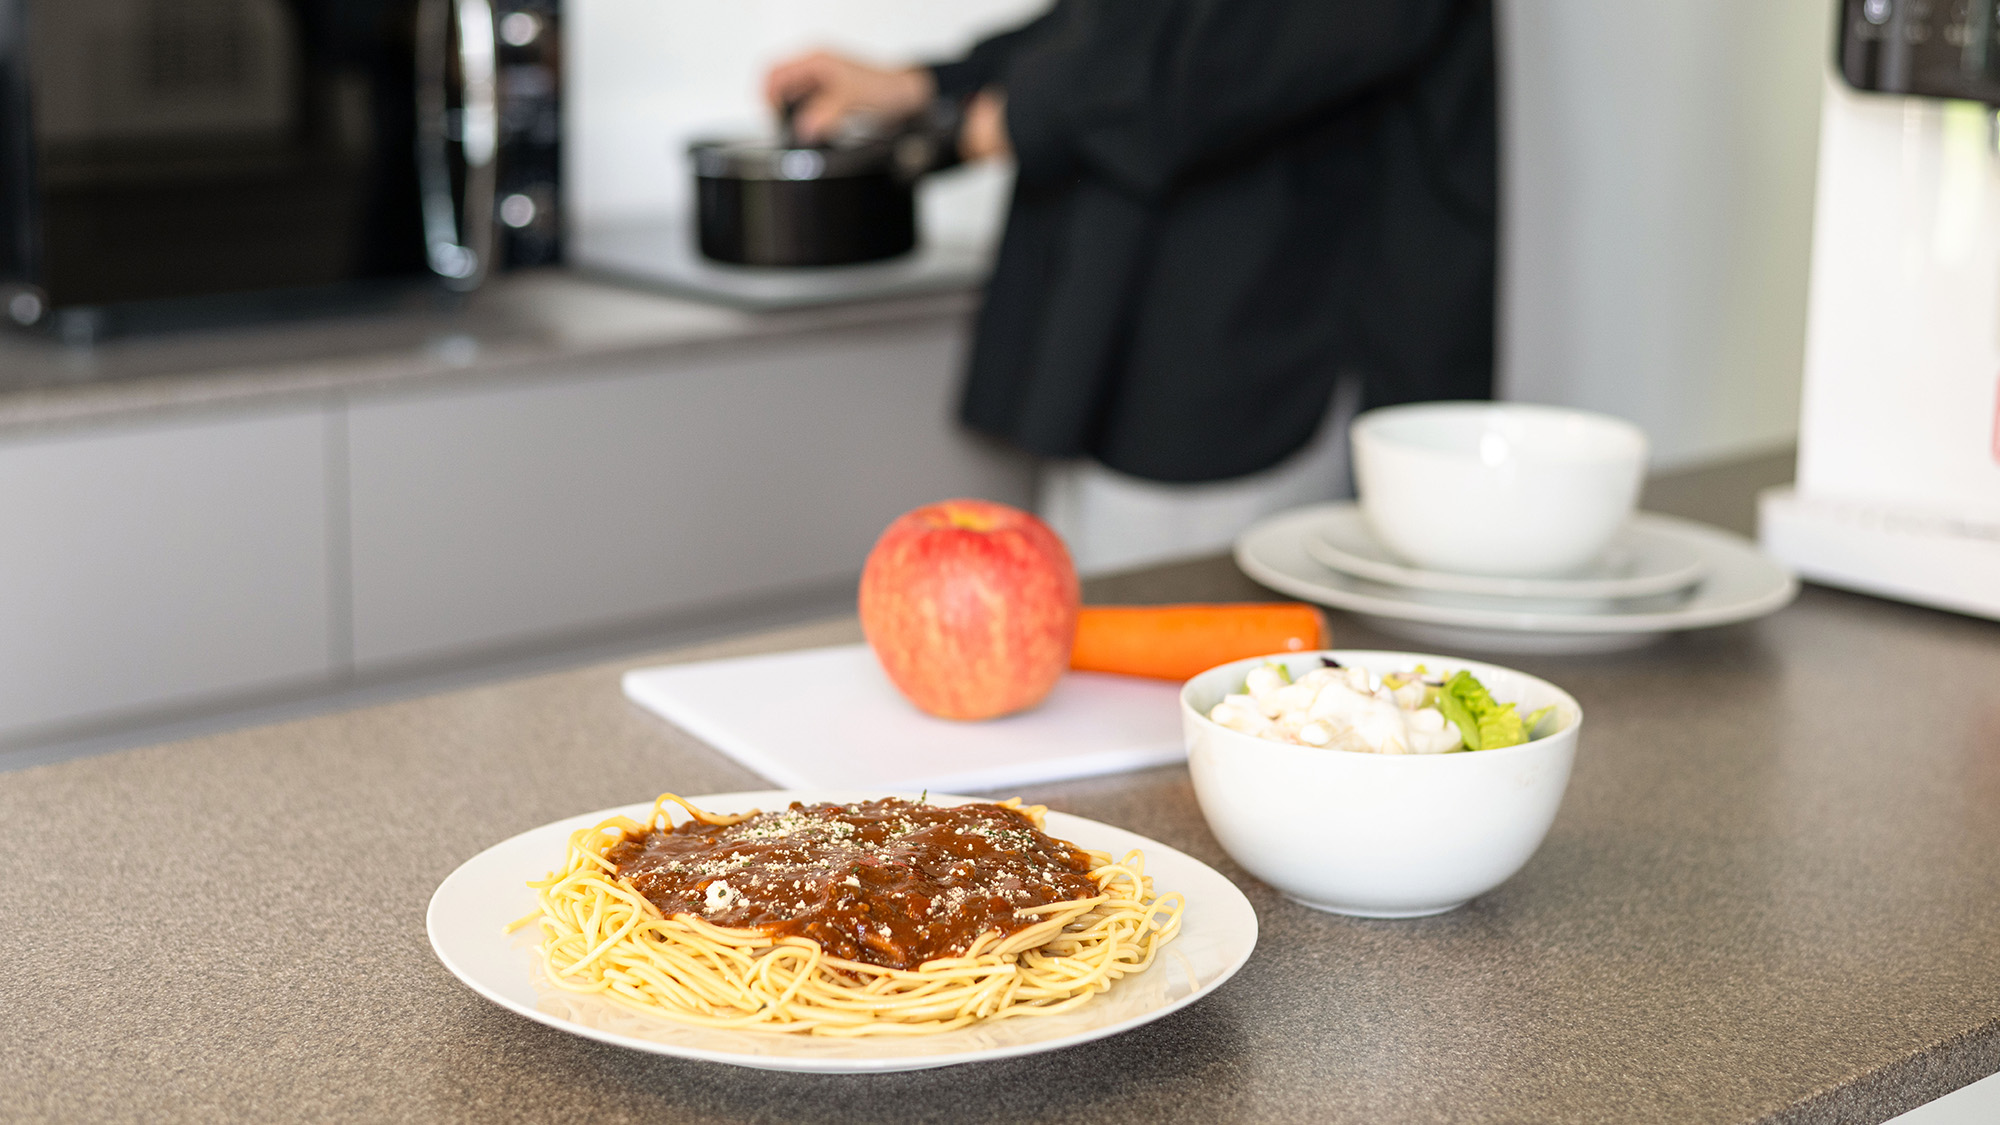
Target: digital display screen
<point>1932,48</point>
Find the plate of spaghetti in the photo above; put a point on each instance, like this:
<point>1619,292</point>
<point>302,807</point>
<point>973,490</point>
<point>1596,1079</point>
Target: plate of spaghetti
<point>839,932</point>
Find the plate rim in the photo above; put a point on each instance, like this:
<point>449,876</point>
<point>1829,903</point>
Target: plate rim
<point>1316,545</point>
<point>440,948</point>
<point>1713,541</point>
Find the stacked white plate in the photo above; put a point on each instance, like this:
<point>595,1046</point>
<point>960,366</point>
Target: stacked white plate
<point>1659,575</point>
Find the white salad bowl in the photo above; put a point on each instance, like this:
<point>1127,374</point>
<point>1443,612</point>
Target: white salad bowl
<point>1496,488</point>
<point>1379,835</point>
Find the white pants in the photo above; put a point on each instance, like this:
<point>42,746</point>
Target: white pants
<point>1114,522</point>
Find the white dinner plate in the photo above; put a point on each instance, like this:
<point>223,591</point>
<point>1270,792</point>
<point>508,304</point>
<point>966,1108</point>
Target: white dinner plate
<point>1742,583</point>
<point>473,905</point>
<point>1646,557</point>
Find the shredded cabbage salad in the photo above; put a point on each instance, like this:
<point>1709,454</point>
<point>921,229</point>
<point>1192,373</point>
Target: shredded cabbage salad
<point>1342,708</point>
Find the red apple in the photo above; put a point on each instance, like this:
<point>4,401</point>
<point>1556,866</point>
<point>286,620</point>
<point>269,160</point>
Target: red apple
<point>971,608</point>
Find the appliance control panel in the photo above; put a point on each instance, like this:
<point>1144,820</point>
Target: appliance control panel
<point>1931,48</point>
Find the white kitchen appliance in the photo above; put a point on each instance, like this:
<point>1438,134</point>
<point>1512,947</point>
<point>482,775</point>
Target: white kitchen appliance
<point>1898,486</point>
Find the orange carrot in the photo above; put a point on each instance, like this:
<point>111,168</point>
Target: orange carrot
<point>1173,642</point>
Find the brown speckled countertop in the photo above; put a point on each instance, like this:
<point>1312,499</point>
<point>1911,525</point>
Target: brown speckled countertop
<point>1772,894</point>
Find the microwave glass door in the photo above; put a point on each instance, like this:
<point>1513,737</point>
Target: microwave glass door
<point>189,147</point>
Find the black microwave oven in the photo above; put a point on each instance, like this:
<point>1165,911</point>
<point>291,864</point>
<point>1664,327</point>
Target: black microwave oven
<point>202,154</point>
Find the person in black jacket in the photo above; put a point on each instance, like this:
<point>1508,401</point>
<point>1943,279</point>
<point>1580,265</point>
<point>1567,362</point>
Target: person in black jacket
<point>1222,208</point>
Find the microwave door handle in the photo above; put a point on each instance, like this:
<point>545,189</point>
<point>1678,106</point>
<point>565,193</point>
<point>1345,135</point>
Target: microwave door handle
<point>458,232</point>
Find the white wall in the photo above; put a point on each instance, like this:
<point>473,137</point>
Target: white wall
<point>1658,198</point>
<point>647,76</point>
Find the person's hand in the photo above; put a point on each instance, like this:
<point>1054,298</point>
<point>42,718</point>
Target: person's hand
<point>984,134</point>
<point>828,88</point>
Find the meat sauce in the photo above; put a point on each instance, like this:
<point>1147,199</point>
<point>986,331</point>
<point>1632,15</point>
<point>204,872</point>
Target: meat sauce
<point>892,883</point>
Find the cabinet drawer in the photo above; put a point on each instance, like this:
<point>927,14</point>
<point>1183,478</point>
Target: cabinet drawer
<point>491,516</point>
<point>161,565</point>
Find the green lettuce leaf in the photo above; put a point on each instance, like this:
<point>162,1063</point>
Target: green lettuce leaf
<point>1534,720</point>
<point>1483,722</point>
<point>1454,709</point>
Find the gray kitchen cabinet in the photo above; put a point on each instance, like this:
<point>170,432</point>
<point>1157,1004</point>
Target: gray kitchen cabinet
<point>589,498</point>
<point>154,567</point>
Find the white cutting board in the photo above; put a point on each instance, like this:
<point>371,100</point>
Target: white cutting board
<point>826,717</point>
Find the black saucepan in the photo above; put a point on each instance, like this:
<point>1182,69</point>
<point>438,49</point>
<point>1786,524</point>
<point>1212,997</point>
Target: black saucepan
<point>760,203</point>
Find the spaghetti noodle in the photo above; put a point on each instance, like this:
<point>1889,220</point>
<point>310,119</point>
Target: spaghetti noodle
<point>874,918</point>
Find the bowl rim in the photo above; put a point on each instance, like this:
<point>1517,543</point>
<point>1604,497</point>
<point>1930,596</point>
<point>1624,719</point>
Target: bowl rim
<point>1536,745</point>
<point>1368,426</point>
